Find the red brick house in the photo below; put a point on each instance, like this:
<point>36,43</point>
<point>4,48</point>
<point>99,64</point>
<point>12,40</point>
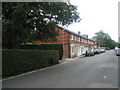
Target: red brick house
<point>73,44</point>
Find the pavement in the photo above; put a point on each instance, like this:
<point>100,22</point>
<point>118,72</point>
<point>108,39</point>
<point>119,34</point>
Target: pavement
<point>66,60</point>
<point>99,71</point>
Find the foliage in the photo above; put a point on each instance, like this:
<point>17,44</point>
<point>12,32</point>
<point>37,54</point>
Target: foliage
<point>107,48</point>
<point>58,47</point>
<point>29,21</point>
<point>102,47</point>
<point>15,62</point>
<point>104,40</point>
<point>118,45</point>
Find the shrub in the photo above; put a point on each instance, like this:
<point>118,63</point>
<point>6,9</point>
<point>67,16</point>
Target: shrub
<point>18,61</point>
<point>58,47</point>
<point>118,45</point>
<point>107,48</point>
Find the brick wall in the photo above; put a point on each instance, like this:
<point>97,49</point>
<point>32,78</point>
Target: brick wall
<point>63,38</point>
<point>66,50</point>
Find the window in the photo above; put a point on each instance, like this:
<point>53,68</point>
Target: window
<point>78,39</point>
<point>88,41</point>
<point>92,42</point>
<point>75,38</point>
<point>71,37</point>
<point>82,40</point>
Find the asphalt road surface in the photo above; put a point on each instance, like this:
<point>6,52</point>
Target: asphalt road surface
<point>99,71</point>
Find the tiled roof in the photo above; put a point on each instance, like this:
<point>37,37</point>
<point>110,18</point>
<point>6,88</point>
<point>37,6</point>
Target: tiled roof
<point>74,33</point>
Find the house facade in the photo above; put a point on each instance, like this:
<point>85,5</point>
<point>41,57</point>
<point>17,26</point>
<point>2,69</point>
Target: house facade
<point>73,44</point>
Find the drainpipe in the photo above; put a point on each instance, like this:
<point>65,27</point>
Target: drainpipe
<point>63,46</point>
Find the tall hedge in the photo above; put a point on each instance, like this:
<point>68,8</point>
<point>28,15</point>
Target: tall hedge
<point>58,47</point>
<point>15,62</point>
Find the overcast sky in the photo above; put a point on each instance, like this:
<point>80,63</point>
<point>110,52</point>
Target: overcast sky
<point>97,15</point>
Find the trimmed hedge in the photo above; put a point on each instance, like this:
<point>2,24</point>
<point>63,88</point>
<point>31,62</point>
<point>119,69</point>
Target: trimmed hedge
<point>58,47</point>
<point>18,61</point>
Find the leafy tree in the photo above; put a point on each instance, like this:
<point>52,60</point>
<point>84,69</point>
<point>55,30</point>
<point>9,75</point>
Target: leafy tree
<point>29,21</point>
<point>104,40</point>
<point>118,44</point>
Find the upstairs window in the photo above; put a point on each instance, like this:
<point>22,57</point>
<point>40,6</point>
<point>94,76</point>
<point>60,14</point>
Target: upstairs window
<point>72,37</point>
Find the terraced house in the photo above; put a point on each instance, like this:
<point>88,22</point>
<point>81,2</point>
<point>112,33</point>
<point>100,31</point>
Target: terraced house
<point>74,44</point>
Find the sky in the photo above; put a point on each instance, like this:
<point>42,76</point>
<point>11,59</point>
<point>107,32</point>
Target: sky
<point>96,15</point>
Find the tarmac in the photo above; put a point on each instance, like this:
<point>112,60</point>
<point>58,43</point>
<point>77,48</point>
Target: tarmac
<point>66,60</point>
<point>63,61</point>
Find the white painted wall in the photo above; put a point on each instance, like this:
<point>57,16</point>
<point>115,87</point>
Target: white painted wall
<point>77,49</point>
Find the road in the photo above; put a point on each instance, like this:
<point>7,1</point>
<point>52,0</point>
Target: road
<point>99,71</point>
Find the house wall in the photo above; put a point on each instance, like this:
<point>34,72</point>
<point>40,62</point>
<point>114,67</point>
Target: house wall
<point>75,50</point>
<point>73,45</point>
<point>79,45</point>
<point>63,38</point>
<point>66,49</point>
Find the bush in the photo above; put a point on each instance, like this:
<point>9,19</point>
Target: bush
<point>17,61</point>
<point>58,47</point>
<point>102,47</point>
<point>118,45</point>
<point>107,48</point>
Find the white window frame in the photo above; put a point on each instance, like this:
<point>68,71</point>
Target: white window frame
<point>71,37</point>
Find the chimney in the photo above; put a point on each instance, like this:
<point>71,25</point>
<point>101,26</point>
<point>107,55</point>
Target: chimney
<point>79,32</point>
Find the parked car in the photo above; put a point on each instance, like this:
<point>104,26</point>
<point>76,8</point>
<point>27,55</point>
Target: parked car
<point>97,51</point>
<point>116,48</point>
<point>89,53</point>
<point>118,52</point>
<point>102,50</point>
<point>83,53</point>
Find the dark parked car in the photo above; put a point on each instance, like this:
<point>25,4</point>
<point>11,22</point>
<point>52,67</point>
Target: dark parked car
<point>89,53</point>
<point>118,52</point>
<point>97,51</point>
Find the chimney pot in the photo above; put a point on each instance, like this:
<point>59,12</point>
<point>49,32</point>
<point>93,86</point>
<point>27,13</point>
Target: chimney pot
<point>79,32</point>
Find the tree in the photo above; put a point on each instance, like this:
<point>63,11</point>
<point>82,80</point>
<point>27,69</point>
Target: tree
<point>118,44</point>
<point>104,40</point>
<point>29,21</point>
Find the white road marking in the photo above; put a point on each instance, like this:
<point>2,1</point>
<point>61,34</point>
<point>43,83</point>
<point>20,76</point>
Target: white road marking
<point>105,77</point>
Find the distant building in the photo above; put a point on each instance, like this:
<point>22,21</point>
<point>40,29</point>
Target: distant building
<point>73,44</point>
